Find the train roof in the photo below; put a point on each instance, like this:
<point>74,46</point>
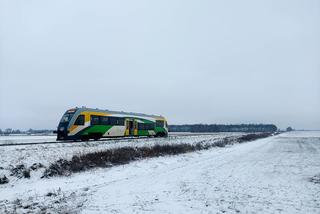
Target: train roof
<point>120,112</point>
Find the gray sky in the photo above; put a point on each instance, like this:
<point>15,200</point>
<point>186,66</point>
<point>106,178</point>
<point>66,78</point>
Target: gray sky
<point>191,61</point>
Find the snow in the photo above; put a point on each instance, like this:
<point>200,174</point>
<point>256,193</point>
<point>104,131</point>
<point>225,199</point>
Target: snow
<point>271,175</point>
<point>301,134</point>
<point>47,153</point>
<point>27,139</point>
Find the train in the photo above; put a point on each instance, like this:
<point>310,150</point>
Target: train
<point>87,123</point>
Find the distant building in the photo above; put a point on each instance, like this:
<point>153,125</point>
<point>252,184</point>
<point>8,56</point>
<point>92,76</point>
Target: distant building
<point>289,129</point>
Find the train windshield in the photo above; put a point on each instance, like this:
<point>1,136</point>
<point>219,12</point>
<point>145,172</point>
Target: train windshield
<point>66,118</point>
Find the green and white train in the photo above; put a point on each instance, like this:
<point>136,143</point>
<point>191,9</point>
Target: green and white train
<point>86,123</point>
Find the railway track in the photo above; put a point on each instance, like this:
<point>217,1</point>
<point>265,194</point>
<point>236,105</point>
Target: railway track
<point>101,140</point>
<point>66,142</point>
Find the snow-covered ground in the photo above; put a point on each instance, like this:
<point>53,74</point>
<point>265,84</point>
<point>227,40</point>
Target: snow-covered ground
<point>272,175</point>
<point>26,139</point>
<point>21,139</point>
<point>47,153</point>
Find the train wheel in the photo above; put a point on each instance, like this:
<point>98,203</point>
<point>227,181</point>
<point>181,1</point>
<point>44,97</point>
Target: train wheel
<point>84,138</point>
<point>160,134</point>
<point>96,136</point>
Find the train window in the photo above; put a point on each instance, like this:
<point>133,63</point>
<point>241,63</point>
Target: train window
<point>66,117</point>
<point>112,121</point>
<point>145,126</point>
<point>79,120</point>
<point>141,126</point>
<point>160,123</point>
<point>150,126</point>
<point>104,120</point>
<point>116,121</point>
<point>95,120</point>
<point>121,121</point>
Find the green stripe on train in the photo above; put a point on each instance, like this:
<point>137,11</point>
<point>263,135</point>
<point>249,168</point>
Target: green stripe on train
<point>143,133</point>
<point>102,129</point>
<point>160,129</point>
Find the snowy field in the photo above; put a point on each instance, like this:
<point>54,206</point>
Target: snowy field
<point>46,153</point>
<point>21,139</point>
<point>279,174</point>
<point>11,139</point>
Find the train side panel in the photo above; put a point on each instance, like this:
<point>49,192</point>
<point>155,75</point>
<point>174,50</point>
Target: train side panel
<point>86,124</point>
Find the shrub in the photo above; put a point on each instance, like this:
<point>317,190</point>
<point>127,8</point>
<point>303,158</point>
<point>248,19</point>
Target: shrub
<point>3,179</point>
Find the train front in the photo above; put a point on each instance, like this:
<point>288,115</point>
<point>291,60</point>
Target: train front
<point>62,131</point>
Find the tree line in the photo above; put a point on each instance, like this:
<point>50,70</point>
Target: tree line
<point>223,128</point>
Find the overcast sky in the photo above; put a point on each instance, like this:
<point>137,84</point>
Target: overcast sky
<point>191,61</point>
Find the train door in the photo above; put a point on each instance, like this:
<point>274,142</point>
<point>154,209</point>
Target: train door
<point>135,130</point>
<point>130,127</point>
<point>127,128</point>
